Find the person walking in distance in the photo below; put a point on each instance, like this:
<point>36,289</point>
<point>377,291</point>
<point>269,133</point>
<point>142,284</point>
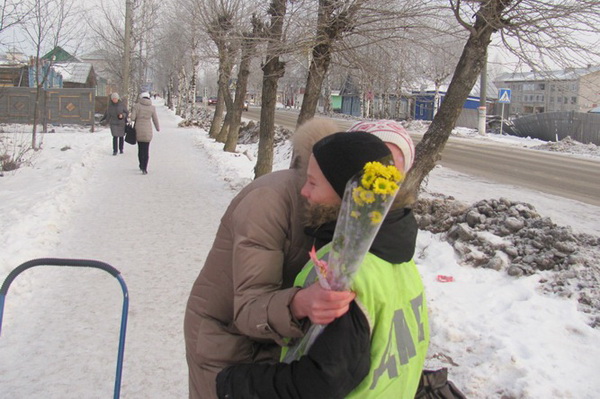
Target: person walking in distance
<point>144,115</point>
<point>116,117</point>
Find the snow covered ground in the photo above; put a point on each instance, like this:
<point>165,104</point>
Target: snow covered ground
<point>499,336</point>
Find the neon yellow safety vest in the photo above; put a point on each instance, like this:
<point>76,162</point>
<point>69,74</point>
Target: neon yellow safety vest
<point>393,300</point>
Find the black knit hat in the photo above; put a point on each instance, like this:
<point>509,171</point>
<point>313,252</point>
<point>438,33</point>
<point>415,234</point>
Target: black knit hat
<point>342,155</point>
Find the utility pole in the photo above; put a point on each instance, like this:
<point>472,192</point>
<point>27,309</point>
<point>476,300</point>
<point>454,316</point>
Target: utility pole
<point>483,98</point>
<point>127,51</point>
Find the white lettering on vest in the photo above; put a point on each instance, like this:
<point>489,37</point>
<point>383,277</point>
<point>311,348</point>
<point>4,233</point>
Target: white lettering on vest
<point>405,346</point>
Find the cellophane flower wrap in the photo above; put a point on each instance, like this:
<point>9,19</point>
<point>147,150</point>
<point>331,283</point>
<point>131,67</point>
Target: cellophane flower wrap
<point>367,199</point>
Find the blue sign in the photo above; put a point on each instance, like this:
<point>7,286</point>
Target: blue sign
<point>504,96</point>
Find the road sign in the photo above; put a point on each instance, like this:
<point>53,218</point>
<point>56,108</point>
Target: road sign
<point>504,96</point>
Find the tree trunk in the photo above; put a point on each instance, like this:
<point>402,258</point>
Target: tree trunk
<point>333,20</point>
<point>170,93</point>
<point>215,126</point>
<point>224,132</point>
<point>248,46</point>
<point>225,66</point>
<point>316,74</point>
<point>429,149</point>
<point>273,70</point>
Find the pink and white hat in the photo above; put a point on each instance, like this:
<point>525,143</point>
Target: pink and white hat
<point>392,132</point>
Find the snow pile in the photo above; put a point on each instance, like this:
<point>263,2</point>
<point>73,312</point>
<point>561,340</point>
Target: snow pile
<point>511,236</point>
<point>570,146</point>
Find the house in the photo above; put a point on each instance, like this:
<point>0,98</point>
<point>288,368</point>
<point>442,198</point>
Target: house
<point>47,74</point>
<point>75,73</point>
<point>58,54</point>
<point>426,103</point>
<point>13,69</point>
<point>571,89</point>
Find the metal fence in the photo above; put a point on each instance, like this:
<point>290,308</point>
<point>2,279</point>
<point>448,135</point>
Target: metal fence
<point>554,126</point>
<point>55,106</point>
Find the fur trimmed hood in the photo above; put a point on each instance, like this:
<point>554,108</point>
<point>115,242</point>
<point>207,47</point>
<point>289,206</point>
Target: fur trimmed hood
<point>305,136</point>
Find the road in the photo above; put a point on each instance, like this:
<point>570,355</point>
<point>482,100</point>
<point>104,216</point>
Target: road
<point>556,174</point>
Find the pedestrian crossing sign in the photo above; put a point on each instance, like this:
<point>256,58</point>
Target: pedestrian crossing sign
<point>504,96</point>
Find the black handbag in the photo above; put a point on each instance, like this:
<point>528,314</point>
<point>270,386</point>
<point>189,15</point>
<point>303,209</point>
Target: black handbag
<point>130,134</point>
<point>434,384</point>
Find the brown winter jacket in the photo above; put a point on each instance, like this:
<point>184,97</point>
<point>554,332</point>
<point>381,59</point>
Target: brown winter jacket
<point>144,114</point>
<point>237,310</point>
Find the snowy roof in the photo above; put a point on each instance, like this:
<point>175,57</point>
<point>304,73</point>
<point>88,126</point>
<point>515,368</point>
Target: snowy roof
<point>98,55</point>
<point>563,74</point>
<point>74,72</point>
<point>491,89</point>
<point>13,58</point>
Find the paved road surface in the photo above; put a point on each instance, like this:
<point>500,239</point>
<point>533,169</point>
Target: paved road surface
<point>556,174</point>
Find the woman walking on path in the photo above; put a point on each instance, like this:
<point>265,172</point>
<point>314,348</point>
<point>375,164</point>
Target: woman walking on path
<point>116,116</point>
<point>144,112</point>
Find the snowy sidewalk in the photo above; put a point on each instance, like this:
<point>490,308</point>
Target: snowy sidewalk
<point>156,230</point>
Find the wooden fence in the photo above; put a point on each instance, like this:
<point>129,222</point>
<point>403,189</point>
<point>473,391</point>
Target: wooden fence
<point>55,106</point>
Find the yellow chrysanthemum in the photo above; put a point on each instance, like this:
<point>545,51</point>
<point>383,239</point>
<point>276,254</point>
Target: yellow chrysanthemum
<point>395,174</point>
<point>367,196</point>
<point>355,214</point>
<point>376,217</point>
<point>375,168</point>
<point>356,196</point>
<point>368,179</point>
<point>384,186</point>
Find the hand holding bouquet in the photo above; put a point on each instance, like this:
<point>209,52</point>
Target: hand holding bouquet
<point>367,198</point>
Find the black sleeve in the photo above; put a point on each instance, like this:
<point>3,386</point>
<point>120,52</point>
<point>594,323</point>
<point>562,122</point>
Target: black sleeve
<point>336,363</point>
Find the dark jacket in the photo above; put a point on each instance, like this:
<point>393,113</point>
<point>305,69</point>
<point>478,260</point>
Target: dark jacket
<point>111,117</point>
<point>340,357</point>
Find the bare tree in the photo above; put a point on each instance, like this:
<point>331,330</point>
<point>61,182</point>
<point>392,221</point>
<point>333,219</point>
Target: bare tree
<point>171,54</point>
<point>50,23</point>
<point>108,27</point>
<point>334,19</point>
<point>344,26</point>
<point>220,20</point>
<point>12,14</point>
<point>234,114</point>
<point>273,70</point>
<point>438,61</point>
<point>535,30</point>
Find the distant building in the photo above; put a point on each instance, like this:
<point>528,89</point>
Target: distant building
<point>14,69</point>
<point>74,73</point>
<point>106,81</point>
<point>426,103</point>
<point>47,75</point>
<point>571,89</point>
<point>58,54</point>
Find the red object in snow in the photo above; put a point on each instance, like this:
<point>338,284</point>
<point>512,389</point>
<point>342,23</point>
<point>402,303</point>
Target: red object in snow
<point>444,279</point>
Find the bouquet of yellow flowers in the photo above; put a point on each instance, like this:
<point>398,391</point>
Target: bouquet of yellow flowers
<point>367,199</point>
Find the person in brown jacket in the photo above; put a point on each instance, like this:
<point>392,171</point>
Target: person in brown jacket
<point>237,311</point>
<point>144,115</point>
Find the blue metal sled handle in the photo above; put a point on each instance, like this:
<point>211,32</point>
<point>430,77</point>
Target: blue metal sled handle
<point>77,263</point>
